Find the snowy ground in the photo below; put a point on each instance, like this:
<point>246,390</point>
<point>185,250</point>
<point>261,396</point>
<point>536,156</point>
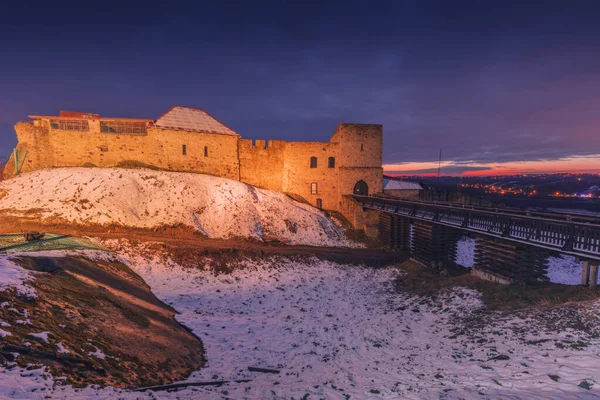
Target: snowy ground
<point>465,252</point>
<point>336,331</point>
<point>217,207</point>
<point>566,270</point>
<point>13,276</point>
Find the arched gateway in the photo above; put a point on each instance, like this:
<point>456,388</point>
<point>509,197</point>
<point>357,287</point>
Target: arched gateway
<point>361,188</point>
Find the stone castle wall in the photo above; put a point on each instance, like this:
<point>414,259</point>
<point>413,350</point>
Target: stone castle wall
<point>352,154</point>
<point>286,166</point>
<point>261,163</point>
<point>159,148</point>
<point>318,185</point>
<point>360,145</point>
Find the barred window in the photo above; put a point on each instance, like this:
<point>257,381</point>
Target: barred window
<point>183,149</point>
<point>313,188</point>
<point>124,127</point>
<point>70,125</point>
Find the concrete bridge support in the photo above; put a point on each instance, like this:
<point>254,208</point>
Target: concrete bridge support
<point>503,261</point>
<point>394,231</point>
<point>435,245</point>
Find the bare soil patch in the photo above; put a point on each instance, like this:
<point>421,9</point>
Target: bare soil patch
<point>185,241</point>
<point>104,314</point>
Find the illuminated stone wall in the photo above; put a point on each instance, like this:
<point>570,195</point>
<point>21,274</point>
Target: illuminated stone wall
<point>158,148</point>
<point>353,154</point>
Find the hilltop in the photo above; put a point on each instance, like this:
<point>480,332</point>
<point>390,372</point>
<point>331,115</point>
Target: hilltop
<point>213,206</point>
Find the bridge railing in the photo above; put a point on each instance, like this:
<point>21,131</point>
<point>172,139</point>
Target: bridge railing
<point>501,210</point>
<point>570,234</point>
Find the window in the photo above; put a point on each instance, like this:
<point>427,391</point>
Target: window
<point>331,162</point>
<point>319,203</point>
<point>70,125</point>
<point>313,188</point>
<point>184,149</point>
<point>124,127</point>
<point>205,151</point>
<point>313,162</point>
<point>362,147</point>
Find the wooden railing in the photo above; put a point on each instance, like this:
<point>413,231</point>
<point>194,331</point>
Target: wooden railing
<point>572,234</point>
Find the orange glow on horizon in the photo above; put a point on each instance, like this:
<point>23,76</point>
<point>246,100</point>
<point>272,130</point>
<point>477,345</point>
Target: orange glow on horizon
<point>576,165</point>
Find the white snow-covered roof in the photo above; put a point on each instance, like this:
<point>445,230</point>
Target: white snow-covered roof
<point>193,120</point>
<point>395,184</point>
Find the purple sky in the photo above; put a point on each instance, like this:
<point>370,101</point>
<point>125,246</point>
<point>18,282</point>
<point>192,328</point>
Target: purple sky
<point>488,81</point>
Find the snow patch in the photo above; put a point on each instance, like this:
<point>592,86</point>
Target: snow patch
<point>565,269</point>
<point>14,276</point>
<point>98,354</point>
<point>465,252</point>
<point>42,335</point>
<point>62,348</point>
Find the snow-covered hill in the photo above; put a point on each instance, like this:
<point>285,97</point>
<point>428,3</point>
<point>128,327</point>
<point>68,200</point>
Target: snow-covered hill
<point>337,332</point>
<point>345,331</point>
<point>217,207</point>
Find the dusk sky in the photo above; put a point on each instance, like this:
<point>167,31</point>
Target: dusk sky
<point>501,86</point>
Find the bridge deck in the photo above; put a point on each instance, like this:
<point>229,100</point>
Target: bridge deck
<point>565,233</point>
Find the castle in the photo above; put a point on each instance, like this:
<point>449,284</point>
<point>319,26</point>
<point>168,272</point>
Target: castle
<point>191,140</point>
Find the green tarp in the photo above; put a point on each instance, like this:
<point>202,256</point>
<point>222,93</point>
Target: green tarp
<point>13,243</point>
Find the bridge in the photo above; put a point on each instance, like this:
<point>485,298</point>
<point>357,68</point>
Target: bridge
<point>511,244</point>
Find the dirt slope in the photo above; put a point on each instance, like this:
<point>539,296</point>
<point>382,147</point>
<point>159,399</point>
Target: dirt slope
<point>103,323</point>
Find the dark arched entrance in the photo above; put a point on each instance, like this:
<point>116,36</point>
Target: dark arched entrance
<point>361,188</point>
